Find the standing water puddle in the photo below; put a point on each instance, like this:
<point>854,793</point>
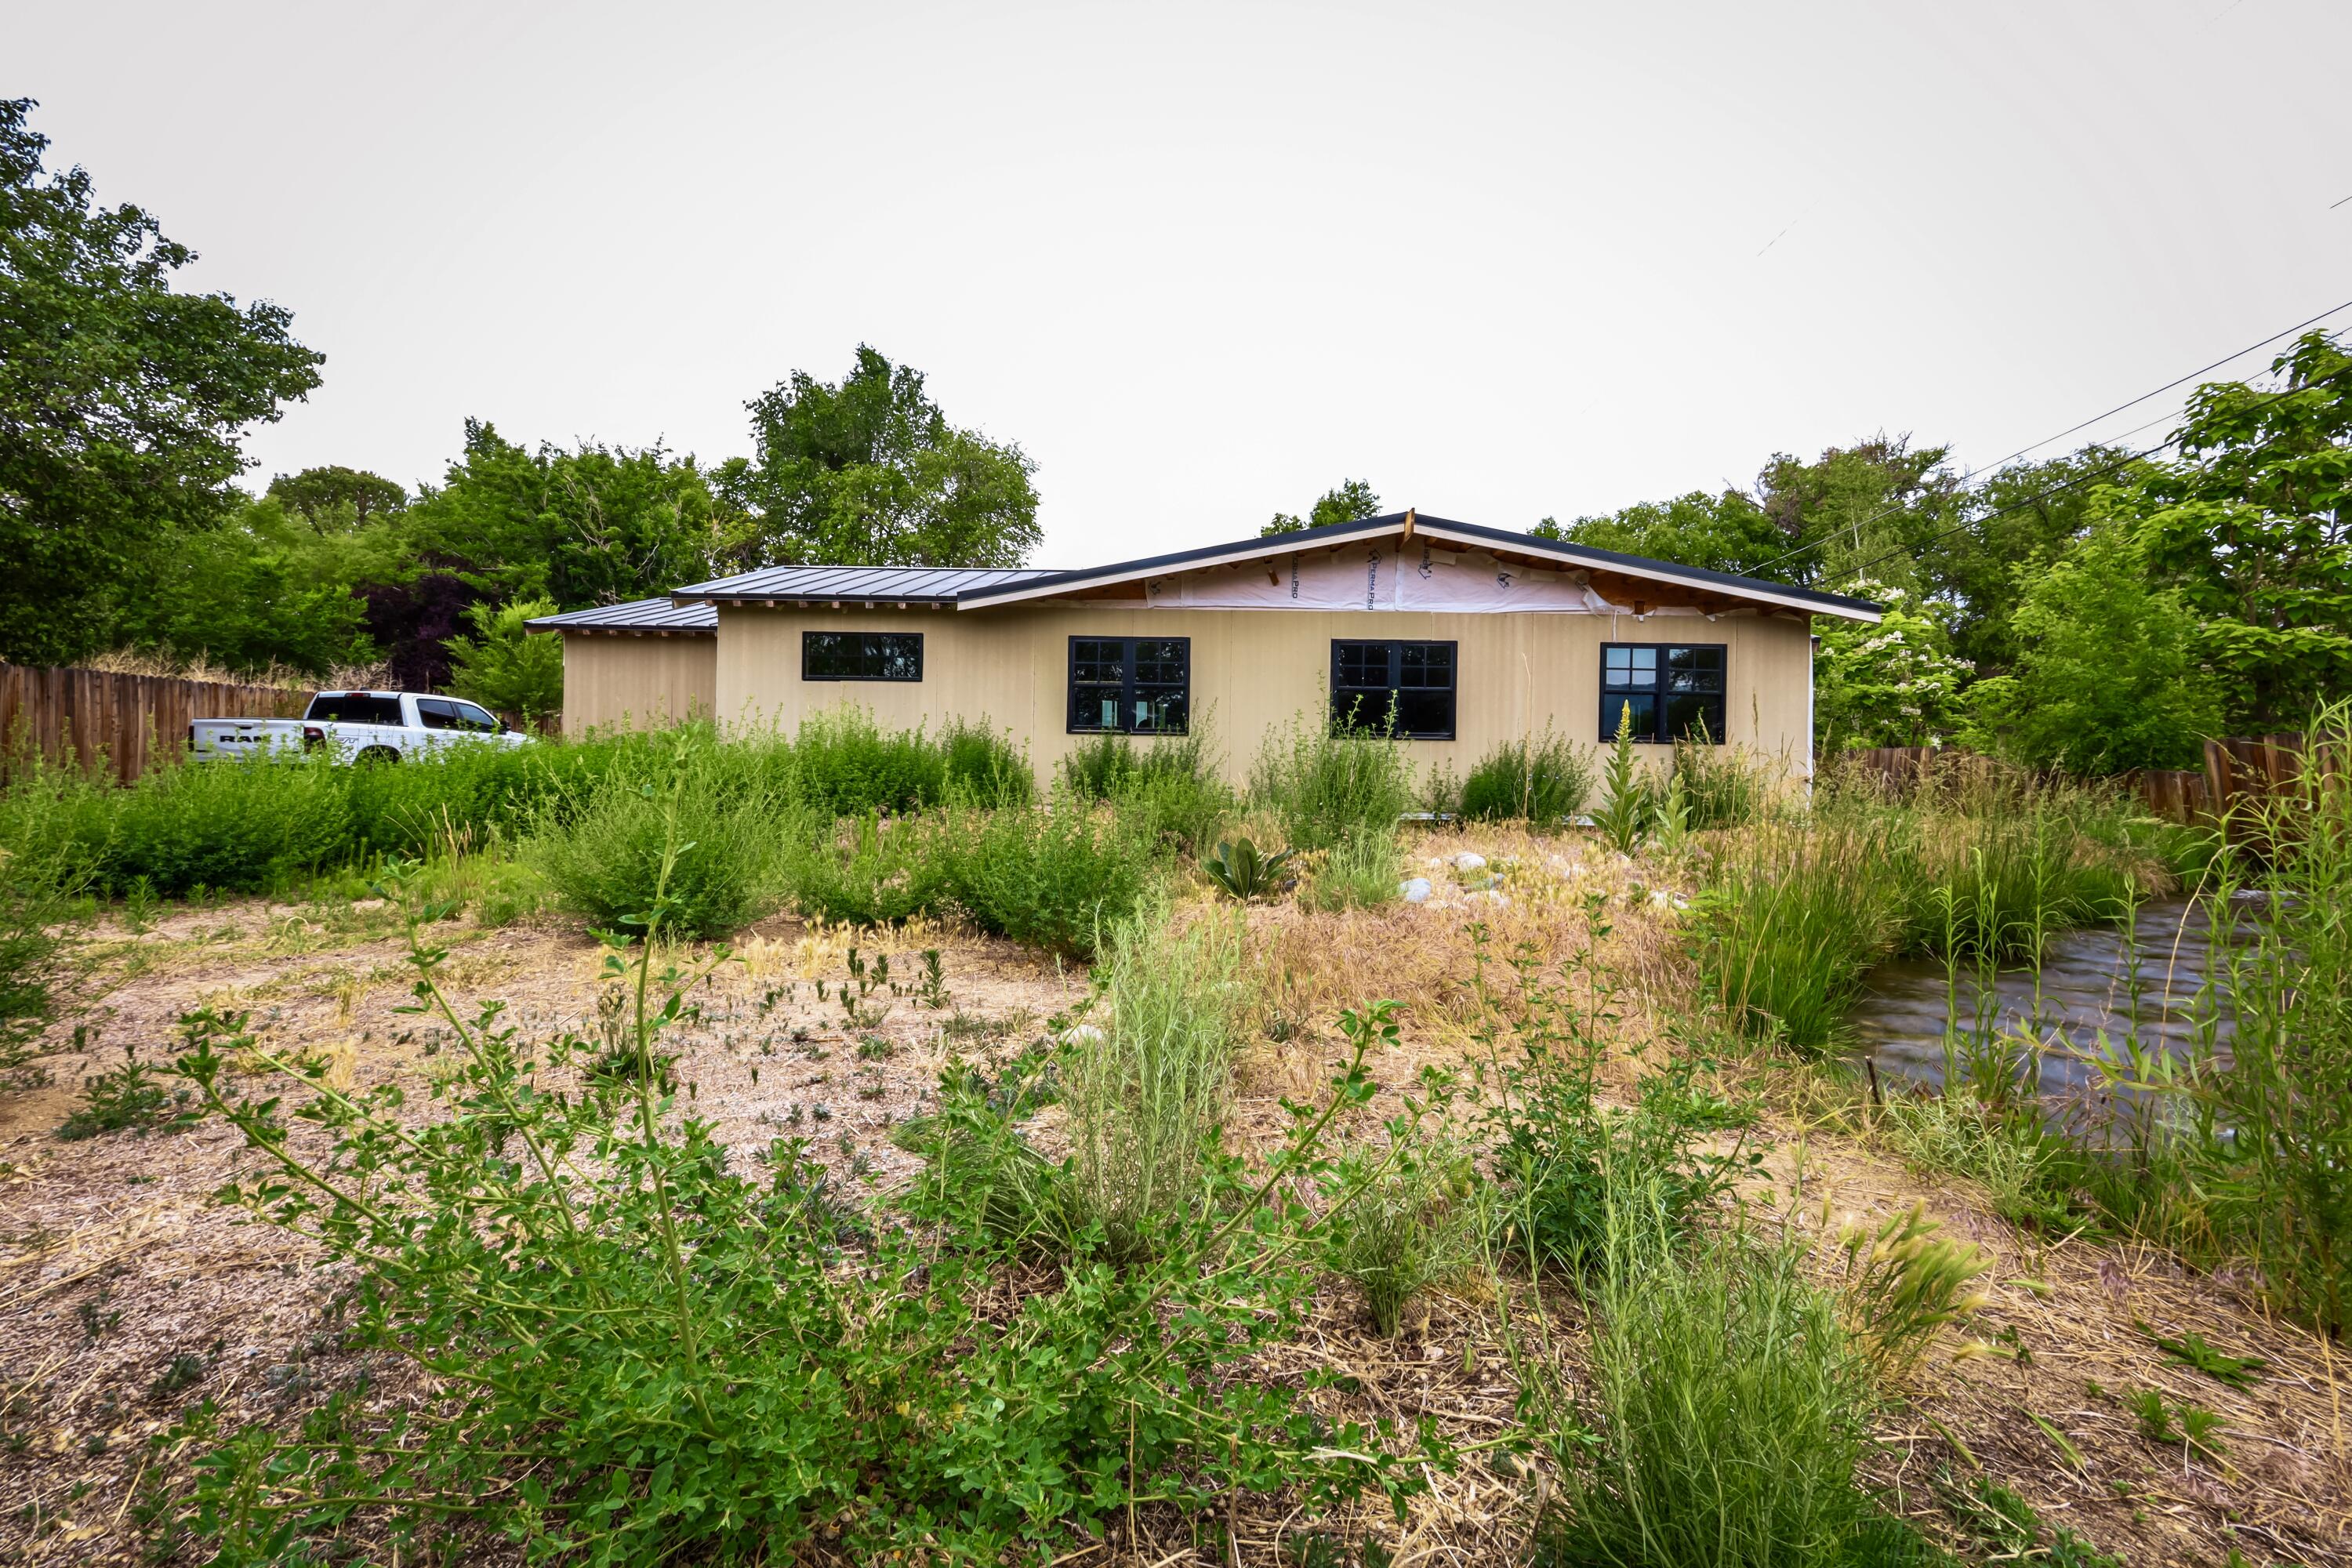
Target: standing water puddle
<point>2085,987</point>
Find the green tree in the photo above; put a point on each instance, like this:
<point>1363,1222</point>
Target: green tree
<point>1892,684</point>
<point>2025,513</point>
<point>121,402</point>
<point>1726,532</point>
<point>263,588</point>
<point>868,472</point>
<point>598,526</point>
<point>336,497</point>
<point>1350,501</point>
<point>502,665</point>
<point>2108,675</point>
<point>2251,524</point>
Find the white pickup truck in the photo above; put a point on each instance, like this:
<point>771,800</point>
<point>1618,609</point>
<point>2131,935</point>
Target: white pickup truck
<point>355,727</point>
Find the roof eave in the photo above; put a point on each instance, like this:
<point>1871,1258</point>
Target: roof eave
<point>1452,532</point>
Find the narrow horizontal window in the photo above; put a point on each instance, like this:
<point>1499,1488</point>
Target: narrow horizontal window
<point>1403,688</point>
<point>1670,691</point>
<point>861,656</point>
<point>1130,686</point>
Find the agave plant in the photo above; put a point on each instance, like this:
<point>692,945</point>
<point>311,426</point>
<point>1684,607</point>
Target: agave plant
<point>1241,870</point>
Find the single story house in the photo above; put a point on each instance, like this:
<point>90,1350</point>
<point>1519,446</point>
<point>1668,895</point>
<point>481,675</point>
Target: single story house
<point>1462,637</point>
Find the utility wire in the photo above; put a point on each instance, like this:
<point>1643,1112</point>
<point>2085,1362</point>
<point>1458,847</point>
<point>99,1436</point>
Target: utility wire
<point>1995,468</point>
<point>2126,462</point>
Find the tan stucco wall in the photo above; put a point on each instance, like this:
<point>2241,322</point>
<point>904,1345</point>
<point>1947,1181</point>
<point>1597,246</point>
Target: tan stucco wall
<point>637,682</point>
<point>1254,670</point>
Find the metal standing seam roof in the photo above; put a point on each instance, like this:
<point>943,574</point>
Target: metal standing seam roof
<point>1566,552</point>
<point>637,615</point>
<point>912,585</point>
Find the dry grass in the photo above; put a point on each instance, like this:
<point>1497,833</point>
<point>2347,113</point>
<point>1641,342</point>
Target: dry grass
<point>122,1224</point>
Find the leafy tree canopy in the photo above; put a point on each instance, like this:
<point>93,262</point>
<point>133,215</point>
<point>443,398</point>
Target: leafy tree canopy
<point>1892,684</point>
<point>2252,523</point>
<point>867,471</point>
<point>121,401</point>
<point>596,525</point>
<point>336,497</point>
<point>1350,501</point>
<point>262,588</point>
<point>2108,675</point>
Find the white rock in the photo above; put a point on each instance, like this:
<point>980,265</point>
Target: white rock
<point>1084,1034</point>
<point>1415,890</point>
<point>1499,899</point>
<point>1469,861</point>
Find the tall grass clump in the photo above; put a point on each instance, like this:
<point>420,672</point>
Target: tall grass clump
<point>1326,785</point>
<point>1362,871</point>
<point>1054,876</point>
<point>1793,917</point>
<point>1409,1222</point>
<point>1146,1099</point>
<point>1538,780</point>
<point>711,853</point>
<point>2271,1155</point>
<point>1722,786</point>
<point>1728,1413</point>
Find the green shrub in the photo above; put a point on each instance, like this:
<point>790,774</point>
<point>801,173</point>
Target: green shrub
<point>875,873</point>
<point>1362,871</point>
<point>670,1360</point>
<point>982,767</point>
<point>133,1097</point>
<point>1169,784</point>
<point>849,765</point>
<point>1052,876</point>
<point>715,856</point>
<point>244,827</point>
<point>38,884</point>
<point>1325,785</point>
<point>1537,781</point>
<point>1097,767</point>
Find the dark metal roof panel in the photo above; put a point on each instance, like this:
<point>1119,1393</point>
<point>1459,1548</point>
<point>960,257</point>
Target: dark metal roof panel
<point>638,615</point>
<point>1335,532</point>
<point>928,585</point>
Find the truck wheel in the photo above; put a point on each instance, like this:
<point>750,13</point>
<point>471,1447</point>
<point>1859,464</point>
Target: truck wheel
<point>376,756</point>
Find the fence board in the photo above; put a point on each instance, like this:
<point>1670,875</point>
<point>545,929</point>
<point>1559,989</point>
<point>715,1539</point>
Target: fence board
<point>2240,769</point>
<point>126,724</point>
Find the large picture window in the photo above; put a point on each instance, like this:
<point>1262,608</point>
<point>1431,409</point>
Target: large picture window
<point>1401,688</point>
<point>1675,690</point>
<point>861,656</point>
<point>1135,686</point>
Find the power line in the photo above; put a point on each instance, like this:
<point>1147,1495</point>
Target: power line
<point>2084,479</point>
<point>1995,468</point>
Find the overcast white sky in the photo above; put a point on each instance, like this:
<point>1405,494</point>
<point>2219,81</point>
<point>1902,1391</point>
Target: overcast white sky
<point>1204,261</point>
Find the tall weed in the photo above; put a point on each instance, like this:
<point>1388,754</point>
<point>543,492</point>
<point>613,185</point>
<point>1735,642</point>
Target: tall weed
<point>868,871</point>
<point>710,858</point>
<point>1145,1099</point>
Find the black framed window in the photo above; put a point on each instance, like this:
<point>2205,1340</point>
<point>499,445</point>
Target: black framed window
<point>1675,690</point>
<point>1136,686</point>
<point>861,656</point>
<point>1407,685</point>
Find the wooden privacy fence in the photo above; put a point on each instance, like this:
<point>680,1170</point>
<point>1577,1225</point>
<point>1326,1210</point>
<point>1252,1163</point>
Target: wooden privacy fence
<point>125,723</point>
<point>2238,769</point>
